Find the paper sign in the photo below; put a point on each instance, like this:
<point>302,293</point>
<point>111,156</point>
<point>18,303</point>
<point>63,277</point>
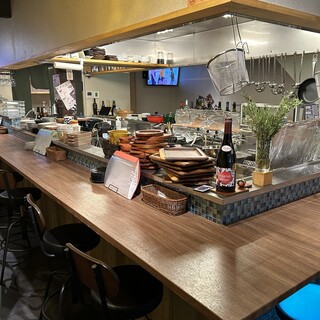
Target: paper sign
<point>66,93</point>
<point>42,141</point>
<point>123,174</point>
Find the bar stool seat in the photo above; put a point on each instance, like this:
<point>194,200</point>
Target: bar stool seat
<point>302,305</point>
<point>123,292</point>
<point>53,242</point>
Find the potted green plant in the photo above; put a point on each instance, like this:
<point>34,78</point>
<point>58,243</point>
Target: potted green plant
<point>265,122</point>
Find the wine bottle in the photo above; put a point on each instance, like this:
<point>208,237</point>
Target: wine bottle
<point>113,108</point>
<point>234,107</point>
<point>226,161</point>
<point>95,107</point>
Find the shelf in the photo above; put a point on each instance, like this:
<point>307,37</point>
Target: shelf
<point>125,65</point>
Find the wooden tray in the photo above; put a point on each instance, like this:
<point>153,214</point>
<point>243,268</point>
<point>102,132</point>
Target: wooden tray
<point>148,133</point>
<point>191,174</point>
<point>181,165</point>
<point>178,154</point>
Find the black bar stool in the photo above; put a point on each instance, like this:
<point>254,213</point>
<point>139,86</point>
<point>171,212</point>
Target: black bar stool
<point>302,305</point>
<point>123,292</point>
<point>53,242</point>
<point>13,199</point>
<point>17,177</point>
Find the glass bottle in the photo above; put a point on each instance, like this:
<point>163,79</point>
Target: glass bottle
<point>226,161</point>
<point>114,107</point>
<point>95,107</point>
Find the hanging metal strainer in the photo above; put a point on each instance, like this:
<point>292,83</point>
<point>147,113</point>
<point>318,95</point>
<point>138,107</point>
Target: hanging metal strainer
<point>227,70</point>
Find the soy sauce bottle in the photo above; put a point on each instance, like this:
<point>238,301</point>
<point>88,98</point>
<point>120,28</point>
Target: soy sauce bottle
<point>226,161</point>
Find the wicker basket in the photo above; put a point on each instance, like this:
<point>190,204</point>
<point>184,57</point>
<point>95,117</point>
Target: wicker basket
<point>56,153</point>
<point>167,200</point>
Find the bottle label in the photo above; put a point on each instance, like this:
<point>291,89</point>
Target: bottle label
<point>226,148</point>
<point>225,177</point>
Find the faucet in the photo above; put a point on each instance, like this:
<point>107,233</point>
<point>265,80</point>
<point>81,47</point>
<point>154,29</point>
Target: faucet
<point>33,111</point>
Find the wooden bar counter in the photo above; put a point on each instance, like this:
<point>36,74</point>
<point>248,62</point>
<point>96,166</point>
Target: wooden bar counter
<point>238,271</point>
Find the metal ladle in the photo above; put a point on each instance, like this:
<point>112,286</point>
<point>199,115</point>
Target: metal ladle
<point>259,85</point>
<point>251,71</point>
<point>274,89</point>
<point>297,85</point>
<point>273,83</point>
<point>281,85</point>
<point>267,64</point>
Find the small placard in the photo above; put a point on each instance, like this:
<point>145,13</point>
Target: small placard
<point>43,141</point>
<point>123,174</point>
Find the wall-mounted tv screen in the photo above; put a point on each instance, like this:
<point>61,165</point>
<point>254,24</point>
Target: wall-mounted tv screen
<point>163,77</point>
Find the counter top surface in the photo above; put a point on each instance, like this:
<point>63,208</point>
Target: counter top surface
<point>226,272</point>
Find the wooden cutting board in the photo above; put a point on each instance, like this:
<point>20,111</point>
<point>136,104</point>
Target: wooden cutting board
<point>187,169</point>
<point>181,164</point>
<point>193,173</point>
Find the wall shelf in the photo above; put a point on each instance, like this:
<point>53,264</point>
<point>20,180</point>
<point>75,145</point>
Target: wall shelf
<point>115,66</point>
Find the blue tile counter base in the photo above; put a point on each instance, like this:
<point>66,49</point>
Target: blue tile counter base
<point>83,160</point>
<point>251,206</point>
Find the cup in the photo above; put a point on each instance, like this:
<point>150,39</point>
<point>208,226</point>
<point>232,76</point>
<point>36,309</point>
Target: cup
<point>169,58</point>
<point>160,57</point>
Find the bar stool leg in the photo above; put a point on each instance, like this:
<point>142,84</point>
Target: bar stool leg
<point>12,225</point>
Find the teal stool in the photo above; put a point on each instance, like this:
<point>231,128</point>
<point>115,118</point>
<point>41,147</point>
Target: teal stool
<point>302,305</point>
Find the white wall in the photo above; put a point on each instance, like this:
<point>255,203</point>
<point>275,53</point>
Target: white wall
<point>114,86</point>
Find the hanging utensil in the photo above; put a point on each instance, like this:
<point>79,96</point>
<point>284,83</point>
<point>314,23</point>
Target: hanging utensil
<point>301,64</point>
<point>281,85</point>
<point>251,81</point>
<point>267,61</point>
<point>259,86</point>
<point>307,91</point>
<point>274,88</point>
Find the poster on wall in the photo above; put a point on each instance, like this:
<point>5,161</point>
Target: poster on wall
<point>64,95</point>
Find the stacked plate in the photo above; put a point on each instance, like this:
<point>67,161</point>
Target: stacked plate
<point>97,174</point>
<point>79,138</point>
<point>187,172</point>
<point>146,143</point>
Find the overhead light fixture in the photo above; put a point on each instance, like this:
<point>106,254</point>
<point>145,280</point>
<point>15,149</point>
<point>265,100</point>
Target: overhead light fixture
<point>165,31</point>
<point>69,66</point>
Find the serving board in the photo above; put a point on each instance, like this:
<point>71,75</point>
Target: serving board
<point>181,165</point>
<point>178,154</point>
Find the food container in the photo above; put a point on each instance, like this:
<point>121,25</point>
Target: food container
<point>115,135</point>
<point>155,119</point>
<point>164,199</point>
<point>123,113</point>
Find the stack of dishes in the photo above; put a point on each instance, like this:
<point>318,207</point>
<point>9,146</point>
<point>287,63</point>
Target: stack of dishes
<point>97,174</point>
<point>146,143</point>
<point>79,138</point>
<point>188,166</point>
